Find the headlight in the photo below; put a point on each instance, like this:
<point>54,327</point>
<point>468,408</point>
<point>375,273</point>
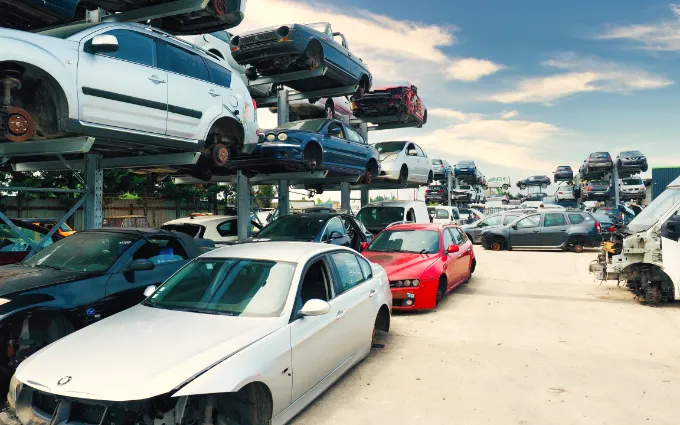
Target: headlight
<point>415,282</point>
<point>282,137</point>
<point>14,388</point>
<point>271,137</point>
<point>399,284</point>
<point>407,283</point>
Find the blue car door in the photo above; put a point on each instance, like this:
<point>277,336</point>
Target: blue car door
<point>336,147</point>
<point>360,150</point>
<point>126,288</point>
<point>336,52</point>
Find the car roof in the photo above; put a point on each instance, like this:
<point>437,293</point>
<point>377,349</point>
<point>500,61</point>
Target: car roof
<point>271,250</point>
<point>420,226</point>
<point>200,219</point>
<point>393,204</point>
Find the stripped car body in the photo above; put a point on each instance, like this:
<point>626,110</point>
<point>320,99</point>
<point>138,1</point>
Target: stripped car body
<point>266,344</point>
<point>288,48</point>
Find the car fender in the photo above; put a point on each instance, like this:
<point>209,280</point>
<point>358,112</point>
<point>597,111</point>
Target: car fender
<point>24,303</point>
<point>58,58</point>
<point>267,361</point>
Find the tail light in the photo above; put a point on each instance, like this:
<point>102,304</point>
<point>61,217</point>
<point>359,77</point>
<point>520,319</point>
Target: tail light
<point>612,229</point>
<point>590,188</point>
<point>254,104</point>
<point>598,227</point>
<point>441,191</point>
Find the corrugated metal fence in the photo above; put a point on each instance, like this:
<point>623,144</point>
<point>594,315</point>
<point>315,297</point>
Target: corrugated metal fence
<point>662,177</point>
<point>157,211</point>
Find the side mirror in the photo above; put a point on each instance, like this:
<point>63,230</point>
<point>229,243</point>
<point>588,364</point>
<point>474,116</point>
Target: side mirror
<point>149,290</point>
<point>141,265</point>
<point>335,235</point>
<point>452,248</point>
<point>335,131</point>
<point>671,228</point>
<point>315,308</point>
<point>514,227</point>
<point>105,43</point>
<point>364,245</point>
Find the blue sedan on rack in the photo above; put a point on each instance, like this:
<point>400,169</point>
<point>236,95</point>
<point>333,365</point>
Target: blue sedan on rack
<point>465,168</point>
<point>311,145</point>
<point>288,48</point>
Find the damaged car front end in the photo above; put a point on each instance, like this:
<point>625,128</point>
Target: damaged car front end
<point>645,254</point>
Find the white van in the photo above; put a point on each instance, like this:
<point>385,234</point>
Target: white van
<point>378,215</point>
<point>444,214</point>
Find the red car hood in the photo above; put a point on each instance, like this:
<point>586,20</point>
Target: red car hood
<point>402,265</point>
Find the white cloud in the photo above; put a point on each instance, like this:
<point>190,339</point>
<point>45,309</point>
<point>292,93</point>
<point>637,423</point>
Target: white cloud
<point>509,114</point>
<point>582,75</point>
<point>471,69</point>
<point>452,114</point>
<point>661,36</point>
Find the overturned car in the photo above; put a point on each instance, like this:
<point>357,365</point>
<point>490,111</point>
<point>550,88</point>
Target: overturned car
<point>646,253</point>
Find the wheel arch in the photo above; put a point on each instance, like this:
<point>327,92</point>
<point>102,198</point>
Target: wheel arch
<point>314,144</point>
<point>227,126</point>
<point>383,319</point>
<point>373,165</point>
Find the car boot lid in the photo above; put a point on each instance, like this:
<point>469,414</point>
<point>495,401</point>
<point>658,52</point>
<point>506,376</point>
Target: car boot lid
<point>140,353</point>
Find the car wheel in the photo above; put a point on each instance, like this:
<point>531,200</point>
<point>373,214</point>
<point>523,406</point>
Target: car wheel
<point>441,289</point>
<point>522,186</point>
<point>312,157</point>
<point>330,110</point>
<point>544,185</point>
<point>425,117</point>
<point>497,245</point>
<point>403,176</point>
<point>644,168</point>
<point>506,187</point>
<point>219,155</point>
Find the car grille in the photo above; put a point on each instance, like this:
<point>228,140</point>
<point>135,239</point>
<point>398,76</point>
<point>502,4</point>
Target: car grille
<point>263,37</point>
<point>79,413</point>
<point>45,403</point>
<point>374,100</point>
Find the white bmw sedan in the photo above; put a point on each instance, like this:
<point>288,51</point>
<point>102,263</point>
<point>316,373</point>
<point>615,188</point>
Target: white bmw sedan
<point>248,334</point>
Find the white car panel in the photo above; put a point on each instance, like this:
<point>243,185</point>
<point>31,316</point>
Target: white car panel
<point>419,166</point>
<point>202,104</point>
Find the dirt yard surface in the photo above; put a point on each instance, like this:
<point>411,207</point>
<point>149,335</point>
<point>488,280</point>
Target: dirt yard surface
<point>531,339</point>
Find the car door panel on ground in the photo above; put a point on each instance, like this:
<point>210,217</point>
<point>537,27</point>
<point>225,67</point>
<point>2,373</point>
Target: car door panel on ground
<point>126,288</point>
<point>554,230</point>
<point>528,232</point>
<point>192,100</point>
<point>124,88</point>
<point>311,335</point>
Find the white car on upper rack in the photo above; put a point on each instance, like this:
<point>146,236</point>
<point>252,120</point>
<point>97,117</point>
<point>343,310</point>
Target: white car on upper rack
<point>404,162</point>
<point>565,192</point>
<point>247,334</point>
<point>131,87</point>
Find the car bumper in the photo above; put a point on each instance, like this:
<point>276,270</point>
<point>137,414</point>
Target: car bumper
<point>636,163</point>
<point>636,194</point>
<point>390,170</point>
<point>467,172</point>
<point>424,297</point>
<point>601,165</point>
<point>564,176</point>
<point>429,198</point>
<point>272,157</point>
<point>597,195</point>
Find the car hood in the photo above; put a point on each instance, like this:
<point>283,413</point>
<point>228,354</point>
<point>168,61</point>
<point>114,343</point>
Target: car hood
<point>140,353</point>
<point>18,278</point>
<point>401,265</point>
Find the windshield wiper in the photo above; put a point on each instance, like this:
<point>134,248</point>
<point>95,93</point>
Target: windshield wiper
<point>45,266</point>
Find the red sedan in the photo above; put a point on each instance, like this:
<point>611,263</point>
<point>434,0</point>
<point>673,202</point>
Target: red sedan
<point>424,262</point>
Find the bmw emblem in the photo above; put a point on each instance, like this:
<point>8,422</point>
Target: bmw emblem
<point>63,381</point>
<point>90,312</point>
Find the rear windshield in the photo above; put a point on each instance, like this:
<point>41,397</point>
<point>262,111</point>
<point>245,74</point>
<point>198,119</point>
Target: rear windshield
<point>436,187</point>
<point>437,162</point>
<point>194,230</point>
<point>564,168</point>
<point>389,146</point>
<point>381,217</point>
<point>599,182</point>
<point>599,155</point>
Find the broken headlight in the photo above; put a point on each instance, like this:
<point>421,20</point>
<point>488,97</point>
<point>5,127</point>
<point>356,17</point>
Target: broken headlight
<point>14,388</point>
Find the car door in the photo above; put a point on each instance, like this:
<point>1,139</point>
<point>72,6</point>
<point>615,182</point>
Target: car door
<point>354,294</point>
<point>449,266</point>
<point>359,149</point>
<point>412,162</point>
<point>126,288</point>
<point>527,232</point>
<point>124,89</point>
<point>335,225</point>
<point>424,164</point>
<point>338,52</point>
<point>465,253</point>
<point>316,345</point>
<point>193,101</point>
<point>554,230</point>
<point>336,147</point>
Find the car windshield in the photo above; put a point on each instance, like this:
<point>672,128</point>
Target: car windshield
<point>632,181</point>
<point>630,153</point>
<point>466,163</point>
<point>389,147</point>
<point>380,217</point>
<point>229,286</point>
<point>306,125</point>
<point>294,227</point>
<point>650,215</point>
<point>319,26</point>
<point>599,155</point>
<point>416,241</point>
<point>83,252</point>
<point>193,230</point>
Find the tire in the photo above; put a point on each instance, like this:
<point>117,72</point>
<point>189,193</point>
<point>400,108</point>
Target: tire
<point>644,168</point>
<point>441,289</point>
<point>506,187</point>
<point>430,178</point>
<point>496,245</point>
<point>329,111</point>
<point>403,176</point>
<point>312,157</point>
<point>522,186</point>
<point>425,117</point>
<point>544,185</point>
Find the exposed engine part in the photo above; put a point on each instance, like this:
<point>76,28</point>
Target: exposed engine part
<point>9,83</point>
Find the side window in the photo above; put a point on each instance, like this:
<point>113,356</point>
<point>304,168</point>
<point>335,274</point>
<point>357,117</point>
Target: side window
<point>492,221</point>
<point>349,271</point>
<point>315,285</point>
<point>335,125</point>
<point>529,222</point>
<point>448,238</point>
<point>366,268</point>
<point>218,75</point>
<point>554,220</point>
<point>354,136</point>
<point>419,151</point>
<point>333,225</point>
<point>183,62</point>
<point>132,47</point>
<point>161,251</point>
<point>411,150</point>
<point>576,218</point>
<point>442,213</point>
<point>458,236</point>
<point>228,228</point>
<point>411,216</point>
<point>509,219</point>
<point>463,236</point>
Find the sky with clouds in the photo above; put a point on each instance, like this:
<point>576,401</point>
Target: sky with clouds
<point>520,87</point>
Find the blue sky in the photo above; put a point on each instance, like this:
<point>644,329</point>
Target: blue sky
<point>520,87</point>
